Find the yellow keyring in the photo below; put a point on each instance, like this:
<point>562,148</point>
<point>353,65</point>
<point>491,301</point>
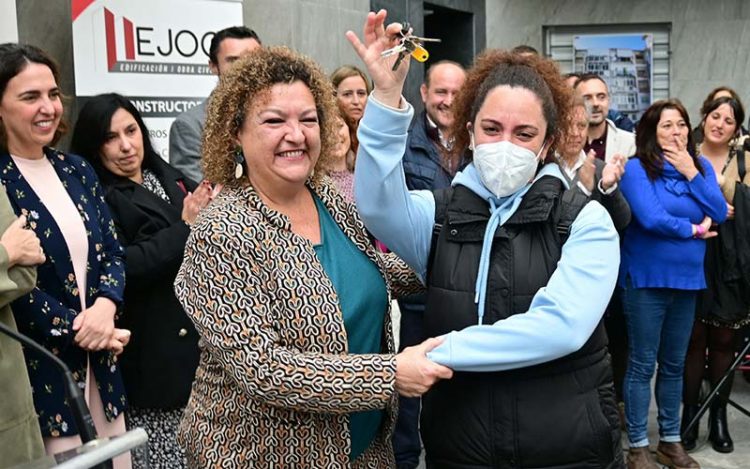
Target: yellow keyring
<point>420,54</point>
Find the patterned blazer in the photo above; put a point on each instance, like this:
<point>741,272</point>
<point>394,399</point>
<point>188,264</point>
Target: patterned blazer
<point>46,314</point>
<point>275,384</point>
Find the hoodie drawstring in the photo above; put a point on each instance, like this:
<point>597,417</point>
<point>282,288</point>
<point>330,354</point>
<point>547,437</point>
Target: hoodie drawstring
<point>484,260</point>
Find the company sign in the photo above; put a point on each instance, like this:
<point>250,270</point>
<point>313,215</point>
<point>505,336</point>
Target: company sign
<point>155,52</point>
<point>8,21</point>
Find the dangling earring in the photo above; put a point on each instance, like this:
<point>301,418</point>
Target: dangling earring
<point>239,158</point>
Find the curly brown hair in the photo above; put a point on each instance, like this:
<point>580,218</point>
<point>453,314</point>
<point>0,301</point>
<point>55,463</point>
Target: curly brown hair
<point>249,80</point>
<point>499,67</point>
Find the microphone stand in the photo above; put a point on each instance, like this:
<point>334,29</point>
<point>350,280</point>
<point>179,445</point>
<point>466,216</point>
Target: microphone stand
<point>77,403</point>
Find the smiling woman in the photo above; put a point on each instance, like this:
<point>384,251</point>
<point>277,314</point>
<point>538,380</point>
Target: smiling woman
<point>290,298</point>
<point>722,308</point>
<point>31,114</point>
<point>72,309</point>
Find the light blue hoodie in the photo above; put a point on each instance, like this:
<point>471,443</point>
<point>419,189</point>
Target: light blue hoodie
<point>562,315</point>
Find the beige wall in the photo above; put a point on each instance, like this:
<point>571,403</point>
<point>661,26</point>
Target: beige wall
<point>8,26</point>
<point>710,40</point>
<point>313,27</point>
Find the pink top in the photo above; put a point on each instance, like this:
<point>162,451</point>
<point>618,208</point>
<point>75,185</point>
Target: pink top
<point>43,179</point>
<point>344,182</point>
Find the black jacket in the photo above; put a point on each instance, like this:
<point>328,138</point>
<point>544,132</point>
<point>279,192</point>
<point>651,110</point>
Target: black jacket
<point>560,414</point>
<point>423,165</point>
<point>735,236</point>
<point>159,363</point>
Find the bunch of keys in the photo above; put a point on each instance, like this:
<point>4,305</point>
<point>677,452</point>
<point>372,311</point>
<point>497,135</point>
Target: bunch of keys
<point>408,44</point>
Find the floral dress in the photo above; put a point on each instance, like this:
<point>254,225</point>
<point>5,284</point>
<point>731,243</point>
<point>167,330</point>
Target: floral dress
<point>46,314</point>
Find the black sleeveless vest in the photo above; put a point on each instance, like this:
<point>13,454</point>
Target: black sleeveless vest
<point>560,414</point>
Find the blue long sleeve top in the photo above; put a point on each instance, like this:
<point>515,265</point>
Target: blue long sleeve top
<point>658,249</point>
<point>562,315</point>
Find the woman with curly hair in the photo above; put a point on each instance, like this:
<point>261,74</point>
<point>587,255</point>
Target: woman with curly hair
<point>517,279</point>
<point>290,299</point>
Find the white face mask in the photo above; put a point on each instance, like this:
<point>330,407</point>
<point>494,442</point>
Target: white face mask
<point>504,167</point>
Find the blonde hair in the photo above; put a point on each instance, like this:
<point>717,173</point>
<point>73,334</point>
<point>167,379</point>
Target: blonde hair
<point>248,81</point>
<point>346,71</point>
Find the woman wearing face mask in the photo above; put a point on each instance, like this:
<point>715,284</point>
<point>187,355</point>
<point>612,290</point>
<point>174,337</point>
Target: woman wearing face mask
<point>517,295</point>
<point>723,308</point>
<point>351,87</point>
<point>674,197</point>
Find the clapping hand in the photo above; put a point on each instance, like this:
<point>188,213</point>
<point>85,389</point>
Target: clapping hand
<point>677,155</point>
<point>730,211</point>
<point>377,38</point>
<point>613,171</point>
<point>587,170</point>
<point>195,201</point>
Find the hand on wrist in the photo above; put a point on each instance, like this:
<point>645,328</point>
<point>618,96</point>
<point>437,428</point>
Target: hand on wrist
<point>698,231</point>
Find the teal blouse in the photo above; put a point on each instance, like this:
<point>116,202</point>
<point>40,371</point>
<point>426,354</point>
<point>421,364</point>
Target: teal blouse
<point>363,300</point>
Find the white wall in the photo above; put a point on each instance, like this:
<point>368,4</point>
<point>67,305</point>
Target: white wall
<point>710,40</point>
<point>8,22</point>
<point>313,27</point>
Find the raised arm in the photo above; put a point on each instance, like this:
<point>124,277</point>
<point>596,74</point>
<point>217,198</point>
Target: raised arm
<point>608,193</point>
<point>400,219</point>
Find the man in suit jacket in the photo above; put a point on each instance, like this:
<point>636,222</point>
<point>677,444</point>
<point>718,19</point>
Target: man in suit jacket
<point>186,132</point>
<point>604,137</point>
